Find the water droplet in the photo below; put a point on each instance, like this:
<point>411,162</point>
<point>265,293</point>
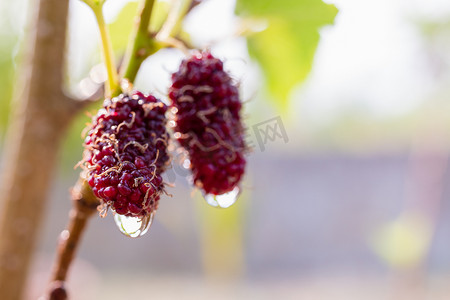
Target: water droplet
<point>133,226</point>
<point>224,200</point>
<point>187,164</point>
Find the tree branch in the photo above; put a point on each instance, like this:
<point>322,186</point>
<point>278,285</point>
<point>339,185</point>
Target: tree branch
<point>37,125</point>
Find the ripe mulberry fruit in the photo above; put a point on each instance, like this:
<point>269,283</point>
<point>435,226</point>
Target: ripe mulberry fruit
<point>126,152</point>
<point>208,123</point>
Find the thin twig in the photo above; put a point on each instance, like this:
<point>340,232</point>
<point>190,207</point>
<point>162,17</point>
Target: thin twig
<point>112,84</point>
<point>84,206</point>
<point>141,43</point>
<point>177,12</point>
<point>171,21</point>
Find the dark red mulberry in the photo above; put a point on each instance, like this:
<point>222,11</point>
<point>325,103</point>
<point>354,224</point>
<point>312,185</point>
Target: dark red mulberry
<point>126,152</point>
<point>208,122</point>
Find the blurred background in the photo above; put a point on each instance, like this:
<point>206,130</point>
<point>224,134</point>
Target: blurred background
<point>347,188</point>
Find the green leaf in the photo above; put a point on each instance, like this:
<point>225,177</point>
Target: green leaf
<point>301,10</point>
<point>285,49</point>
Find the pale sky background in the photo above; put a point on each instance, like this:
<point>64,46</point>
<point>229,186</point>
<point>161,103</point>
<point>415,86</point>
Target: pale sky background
<point>373,59</point>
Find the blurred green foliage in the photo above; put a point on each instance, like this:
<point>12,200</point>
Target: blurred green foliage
<point>72,149</point>
<point>121,27</point>
<point>6,77</point>
<point>9,36</point>
<point>285,49</point>
<point>404,242</point>
<point>222,237</point>
<point>159,15</point>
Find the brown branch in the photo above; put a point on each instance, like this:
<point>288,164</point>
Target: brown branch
<point>41,116</point>
<point>84,206</point>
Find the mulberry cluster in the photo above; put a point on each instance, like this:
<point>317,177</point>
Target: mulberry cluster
<point>208,122</point>
<point>126,152</point>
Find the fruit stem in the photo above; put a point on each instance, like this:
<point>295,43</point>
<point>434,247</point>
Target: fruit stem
<point>84,206</point>
<point>112,84</point>
<point>141,44</point>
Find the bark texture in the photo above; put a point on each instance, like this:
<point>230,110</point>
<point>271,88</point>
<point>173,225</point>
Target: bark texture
<point>42,114</point>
